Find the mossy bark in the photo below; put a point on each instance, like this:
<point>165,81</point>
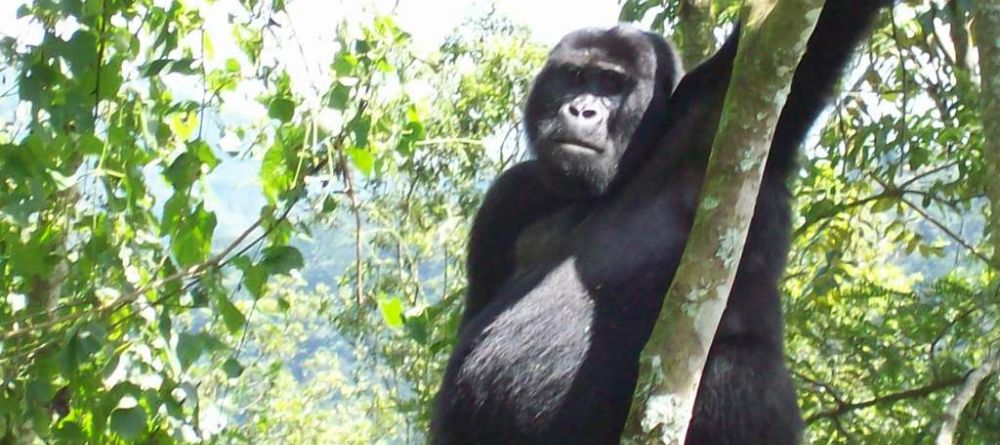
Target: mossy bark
<point>774,37</point>
<point>987,34</point>
<point>695,31</point>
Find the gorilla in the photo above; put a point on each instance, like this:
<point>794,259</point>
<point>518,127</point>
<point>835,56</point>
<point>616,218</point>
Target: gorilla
<point>571,253</point>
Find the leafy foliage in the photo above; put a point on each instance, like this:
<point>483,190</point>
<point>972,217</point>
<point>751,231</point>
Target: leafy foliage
<point>891,283</point>
<point>135,308</point>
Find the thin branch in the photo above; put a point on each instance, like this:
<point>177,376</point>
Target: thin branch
<point>922,175</point>
<point>204,86</point>
<point>933,346</point>
<point>100,60</point>
<point>915,393</point>
<point>975,252</point>
<point>842,208</point>
<point>191,272</point>
<point>442,141</point>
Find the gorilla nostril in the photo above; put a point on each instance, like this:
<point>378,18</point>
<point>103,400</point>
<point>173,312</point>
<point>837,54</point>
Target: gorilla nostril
<point>587,114</point>
<point>574,111</point>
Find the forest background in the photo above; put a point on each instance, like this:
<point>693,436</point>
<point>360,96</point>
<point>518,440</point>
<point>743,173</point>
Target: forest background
<point>245,221</point>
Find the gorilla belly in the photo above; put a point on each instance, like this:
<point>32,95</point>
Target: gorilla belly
<point>523,365</point>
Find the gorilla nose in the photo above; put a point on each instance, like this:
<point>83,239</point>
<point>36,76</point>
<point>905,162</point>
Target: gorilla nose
<point>583,108</point>
<point>586,113</point>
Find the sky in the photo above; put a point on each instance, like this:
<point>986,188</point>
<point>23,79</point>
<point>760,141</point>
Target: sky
<point>428,20</point>
<point>548,20</point>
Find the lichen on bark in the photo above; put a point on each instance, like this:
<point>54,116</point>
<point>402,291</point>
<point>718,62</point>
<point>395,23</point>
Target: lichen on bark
<point>771,44</point>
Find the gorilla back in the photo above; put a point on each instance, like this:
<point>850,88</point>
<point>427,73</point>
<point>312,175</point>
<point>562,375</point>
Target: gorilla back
<point>570,254</point>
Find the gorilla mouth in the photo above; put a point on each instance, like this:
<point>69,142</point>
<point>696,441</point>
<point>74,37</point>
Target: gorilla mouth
<point>579,147</point>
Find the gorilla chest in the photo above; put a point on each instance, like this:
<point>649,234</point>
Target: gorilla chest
<point>623,244</point>
<point>547,238</point>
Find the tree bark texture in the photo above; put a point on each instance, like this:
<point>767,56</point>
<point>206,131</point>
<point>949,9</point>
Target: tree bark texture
<point>773,40</point>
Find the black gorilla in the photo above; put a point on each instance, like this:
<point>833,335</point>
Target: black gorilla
<point>571,254</point>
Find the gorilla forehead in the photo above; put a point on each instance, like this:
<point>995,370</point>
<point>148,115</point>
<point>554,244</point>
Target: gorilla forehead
<point>635,51</point>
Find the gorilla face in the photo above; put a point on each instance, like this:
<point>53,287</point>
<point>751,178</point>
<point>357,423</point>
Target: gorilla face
<point>586,107</point>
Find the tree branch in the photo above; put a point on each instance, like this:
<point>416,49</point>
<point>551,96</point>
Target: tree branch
<point>953,412</point>
<point>886,399</point>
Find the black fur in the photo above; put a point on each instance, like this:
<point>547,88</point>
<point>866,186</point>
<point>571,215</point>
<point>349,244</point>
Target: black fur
<point>571,254</point>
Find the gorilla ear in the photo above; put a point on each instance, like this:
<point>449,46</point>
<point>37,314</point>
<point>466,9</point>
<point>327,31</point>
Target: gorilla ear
<point>676,68</point>
<point>669,68</point>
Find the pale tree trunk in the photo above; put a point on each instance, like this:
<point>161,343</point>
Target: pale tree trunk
<point>694,29</point>
<point>953,412</point>
<point>773,39</point>
<point>987,32</point>
<point>959,30</point>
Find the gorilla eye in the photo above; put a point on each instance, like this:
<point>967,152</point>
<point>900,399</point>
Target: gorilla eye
<point>572,75</point>
<point>577,77</point>
<point>612,82</point>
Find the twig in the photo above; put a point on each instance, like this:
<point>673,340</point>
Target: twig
<point>100,60</point>
<point>191,272</point>
<point>947,231</point>
<point>915,393</point>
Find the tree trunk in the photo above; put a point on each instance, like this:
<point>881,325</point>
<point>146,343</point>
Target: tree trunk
<point>695,31</point>
<point>774,37</point>
<point>953,412</point>
<point>987,32</point>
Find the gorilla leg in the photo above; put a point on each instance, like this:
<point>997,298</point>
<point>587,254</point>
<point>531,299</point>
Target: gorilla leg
<point>746,396</point>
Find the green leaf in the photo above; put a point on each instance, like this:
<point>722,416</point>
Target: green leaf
<point>204,154</point>
<point>392,311</point>
<point>174,212</point>
<point>276,175</point>
<point>884,204</point>
<point>90,145</point>
<point>344,64</point>
<point>35,83</point>
<point>340,95</point>
<point>93,8</point>
<point>180,66</point>
<point>232,65</point>
<point>67,432</point>
<point>182,172</point>
<point>362,159</point>
<point>280,260</point>
<point>192,242</point>
<point>362,46</point>
<point>384,66</point>
<point>28,260</point>
<point>417,327</point>
<point>254,276</point>
<point>329,204</point>
<point>231,315</point>
<point>362,127</point>
<point>40,390</point>
<point>232,368</point>
<point>81,52</point>
<point>83,344</point>
<point>281,109</point>
<point>111,78</point>
<point>128,423</point>
<point>189,349</point>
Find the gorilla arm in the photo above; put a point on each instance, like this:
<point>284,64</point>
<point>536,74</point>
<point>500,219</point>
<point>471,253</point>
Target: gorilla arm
<point>841,25</point>
<point>515,200</point>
